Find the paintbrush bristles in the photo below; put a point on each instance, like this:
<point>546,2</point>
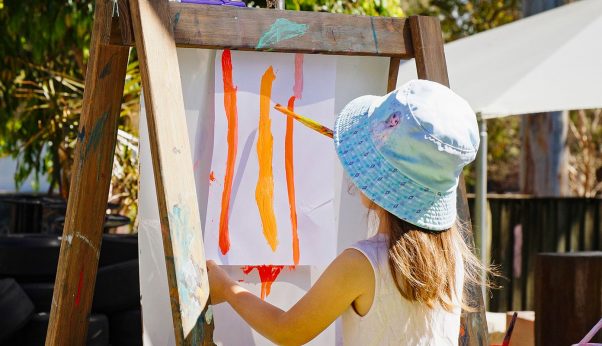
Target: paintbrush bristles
<point>306,121</point>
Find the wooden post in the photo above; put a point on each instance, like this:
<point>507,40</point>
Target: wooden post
<point>430,64</point>
<point>93,163</point>
<point>568,299</point>
<point>172,166</point>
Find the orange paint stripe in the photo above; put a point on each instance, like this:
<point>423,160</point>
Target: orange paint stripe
<point>290,178</point>
<point>232,138</point>
<point>264,192</point>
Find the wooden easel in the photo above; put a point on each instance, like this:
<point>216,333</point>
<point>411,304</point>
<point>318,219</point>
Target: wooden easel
<point>155,28</point>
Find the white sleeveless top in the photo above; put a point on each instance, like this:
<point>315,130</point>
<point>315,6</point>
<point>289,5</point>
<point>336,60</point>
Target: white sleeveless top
<point>394,320</point>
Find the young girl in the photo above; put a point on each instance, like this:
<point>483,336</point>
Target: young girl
<point>404,152</point>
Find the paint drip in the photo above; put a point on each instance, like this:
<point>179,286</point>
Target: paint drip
<point>267,275</point>
<point>290,179</point>
<point>232,138</point>
<point>298,87</point>
<point>264,191</point>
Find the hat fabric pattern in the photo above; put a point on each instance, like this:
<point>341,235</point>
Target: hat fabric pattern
<point>405,150</point>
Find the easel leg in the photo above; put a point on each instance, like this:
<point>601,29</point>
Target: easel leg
<point>82,234</point>
<point>172,166</point>
<point>430,64</point>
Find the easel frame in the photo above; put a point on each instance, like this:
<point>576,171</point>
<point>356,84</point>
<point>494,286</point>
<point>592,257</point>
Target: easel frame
<point>155,28</point>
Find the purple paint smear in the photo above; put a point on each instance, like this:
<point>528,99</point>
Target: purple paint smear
<point>216,2</point>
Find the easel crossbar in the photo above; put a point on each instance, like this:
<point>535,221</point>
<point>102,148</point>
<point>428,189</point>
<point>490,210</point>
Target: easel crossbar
<point>225,27</point>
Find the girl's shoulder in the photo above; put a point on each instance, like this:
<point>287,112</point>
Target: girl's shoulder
<point>374,248</point>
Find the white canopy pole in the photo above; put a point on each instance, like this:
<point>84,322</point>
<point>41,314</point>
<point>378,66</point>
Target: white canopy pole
<point>481,195</point>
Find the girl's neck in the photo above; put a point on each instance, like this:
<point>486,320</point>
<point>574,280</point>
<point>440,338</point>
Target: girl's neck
<point>383,226</point>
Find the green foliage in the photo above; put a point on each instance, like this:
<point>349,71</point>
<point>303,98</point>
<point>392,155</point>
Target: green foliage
<point>41,76</point>
<point>503,154</point>
<point>44,49</point>
<point>461,18</point>
<point>389,8</point>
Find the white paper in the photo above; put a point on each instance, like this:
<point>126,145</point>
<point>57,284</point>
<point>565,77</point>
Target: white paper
<point>313,163</point>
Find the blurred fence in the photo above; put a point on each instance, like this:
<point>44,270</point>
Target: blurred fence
<point>522,226</point>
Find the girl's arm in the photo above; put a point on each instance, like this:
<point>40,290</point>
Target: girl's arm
<point>348,277</point>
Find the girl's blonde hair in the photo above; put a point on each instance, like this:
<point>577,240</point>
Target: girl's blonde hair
<point>423,263</point>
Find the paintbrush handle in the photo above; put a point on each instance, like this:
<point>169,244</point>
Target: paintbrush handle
<point>506,341</point>
<point>314,125</point>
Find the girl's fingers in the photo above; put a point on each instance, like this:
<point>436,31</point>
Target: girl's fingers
<point>218,279</point>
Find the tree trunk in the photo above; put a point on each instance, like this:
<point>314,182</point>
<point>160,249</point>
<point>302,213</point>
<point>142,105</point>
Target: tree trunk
<point>544,154</point>
<point>544,151</point>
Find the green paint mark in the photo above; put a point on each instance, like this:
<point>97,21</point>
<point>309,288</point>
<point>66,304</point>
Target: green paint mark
<point>282,29</point>
<point>96,133</point>
<point>374,34</point>
<point>176,19</point>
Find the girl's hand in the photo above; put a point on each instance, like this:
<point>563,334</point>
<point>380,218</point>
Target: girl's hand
<point>219,283</point>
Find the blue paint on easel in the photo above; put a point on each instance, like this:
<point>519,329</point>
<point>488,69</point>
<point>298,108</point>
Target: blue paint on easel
<point>189,274</point>
<point>96,133</point>
<point>282,29</point>
<point>82,134</point>
<point>106,70</point>
<point>176,20</point>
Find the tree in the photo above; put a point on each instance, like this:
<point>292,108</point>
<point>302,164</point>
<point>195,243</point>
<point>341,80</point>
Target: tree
<point>44,51</point>
<point>461,18</point>
<point>544,169</point>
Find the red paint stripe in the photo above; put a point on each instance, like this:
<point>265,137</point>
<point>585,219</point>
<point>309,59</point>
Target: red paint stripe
<point>232,138</point>
<point>267,276</point>
<point>80,284</point>
<point>290,178</point>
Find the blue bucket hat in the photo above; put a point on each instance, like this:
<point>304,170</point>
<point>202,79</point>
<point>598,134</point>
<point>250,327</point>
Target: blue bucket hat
<point>405,150</point>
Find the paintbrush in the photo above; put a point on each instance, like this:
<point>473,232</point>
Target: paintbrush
<point>305,121</point>
<point>510,329</point>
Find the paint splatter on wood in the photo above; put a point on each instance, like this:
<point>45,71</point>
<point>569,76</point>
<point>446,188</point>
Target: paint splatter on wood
<point>264,192</point>
<point>106,70</point>
<point>96,134</point>
<point>282,29</point>
<point>374,34</point>
<point>80,285</point>
<point>176,19</point>
<point>290,179</point>
<point>188,262</point>
<point>232,138</point>
<point>267,275</point>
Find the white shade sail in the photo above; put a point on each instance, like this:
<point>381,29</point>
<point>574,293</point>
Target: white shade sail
<point>548,62</point>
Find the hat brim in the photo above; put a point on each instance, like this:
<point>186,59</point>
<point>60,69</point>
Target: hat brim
<point>379,180</point>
